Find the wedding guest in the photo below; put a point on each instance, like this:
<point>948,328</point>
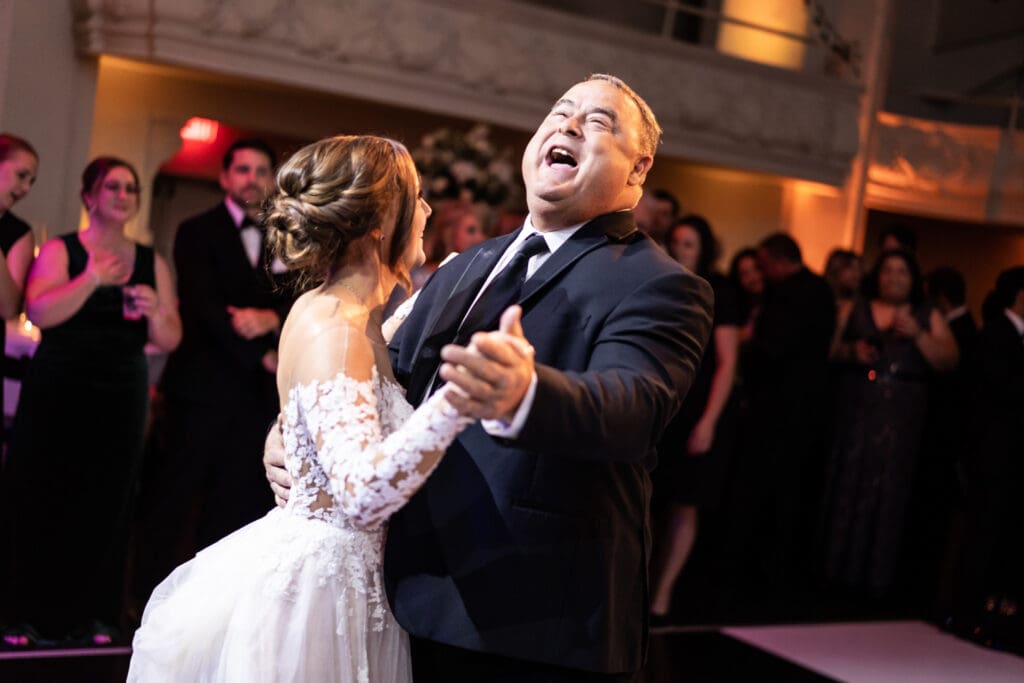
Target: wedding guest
<point>19,164</point>
<point>991,587</point>
<point>99,298</point>
<point>897,236</point>
<point>748,283</point>
<point>656,213</point>
<point>936,504</point>
<point>785,377</point>
<point>892,342</point>
<point>948,293</point>
<point>202,478</point>
<point>843,274</point>
<point>695,451</point>
<point>454,227</point>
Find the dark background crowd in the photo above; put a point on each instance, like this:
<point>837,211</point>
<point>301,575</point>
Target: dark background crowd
<point>851,447</point>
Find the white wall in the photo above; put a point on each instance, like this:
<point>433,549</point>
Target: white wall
<point>46,96</point>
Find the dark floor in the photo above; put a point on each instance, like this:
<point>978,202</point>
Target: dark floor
<point>693,656</point>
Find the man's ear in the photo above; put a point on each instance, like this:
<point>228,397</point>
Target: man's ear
<point>224,180</point>
<point>641,166</point>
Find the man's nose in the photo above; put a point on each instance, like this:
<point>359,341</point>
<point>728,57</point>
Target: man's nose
<point>570,126</point>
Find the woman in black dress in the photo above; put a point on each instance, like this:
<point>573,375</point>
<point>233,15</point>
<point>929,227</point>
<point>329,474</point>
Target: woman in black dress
<point>890,344</point>
<point>693,454</point>
<point>98,297</point>
<point>19,164</point>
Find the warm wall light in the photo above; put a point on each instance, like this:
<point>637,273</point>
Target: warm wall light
<point>750,43</point>
<point>199,130</point>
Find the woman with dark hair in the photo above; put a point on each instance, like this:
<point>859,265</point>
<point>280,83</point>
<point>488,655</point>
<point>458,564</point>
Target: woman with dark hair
<point>748,282</point>
<point>98,297</point>
<point>694,453</point>
<point>298,595</point>
<point>891,343</point>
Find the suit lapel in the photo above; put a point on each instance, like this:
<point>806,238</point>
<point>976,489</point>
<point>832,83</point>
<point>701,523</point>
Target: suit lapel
<point>598,232</point>
<point>446,315</point>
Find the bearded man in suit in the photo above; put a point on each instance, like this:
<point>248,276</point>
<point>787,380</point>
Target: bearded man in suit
<point>217,393</point>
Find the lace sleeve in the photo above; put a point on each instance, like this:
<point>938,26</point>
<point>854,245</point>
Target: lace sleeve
<point>370,476</point>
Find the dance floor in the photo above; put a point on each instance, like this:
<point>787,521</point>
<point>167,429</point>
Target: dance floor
<point>865,652</point>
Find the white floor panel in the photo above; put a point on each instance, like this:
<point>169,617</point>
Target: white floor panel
<point>880,652</point>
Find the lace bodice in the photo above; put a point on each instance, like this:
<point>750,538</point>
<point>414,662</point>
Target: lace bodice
<point>355,448</point>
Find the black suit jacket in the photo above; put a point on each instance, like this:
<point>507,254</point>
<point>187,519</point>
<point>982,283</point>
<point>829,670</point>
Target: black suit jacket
<point>537,548</point>
<point>997,378</point>
<point>787,360</point>
<point>213,364</point>
<point>965,331</point>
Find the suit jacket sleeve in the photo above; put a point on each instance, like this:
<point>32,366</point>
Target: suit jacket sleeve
<point>202,299</point>
<point>643,362</point>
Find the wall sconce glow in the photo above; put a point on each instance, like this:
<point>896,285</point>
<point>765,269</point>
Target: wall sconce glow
<point>199,130</point>
<point>749,43</point>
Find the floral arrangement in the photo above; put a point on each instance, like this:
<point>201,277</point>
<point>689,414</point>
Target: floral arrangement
<point>466,166</point>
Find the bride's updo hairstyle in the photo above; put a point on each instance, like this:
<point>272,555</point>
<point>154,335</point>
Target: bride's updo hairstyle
<point>334,192</point>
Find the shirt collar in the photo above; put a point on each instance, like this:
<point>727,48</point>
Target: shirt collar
<point>553,238</point>
<point>237,212</point>
<point>1017,321</point>
<point>956,313</point>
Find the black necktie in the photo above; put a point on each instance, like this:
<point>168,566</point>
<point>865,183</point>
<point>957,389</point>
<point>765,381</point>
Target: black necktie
<point>502,292</point>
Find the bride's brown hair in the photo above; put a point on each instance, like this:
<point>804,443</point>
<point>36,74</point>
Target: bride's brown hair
<point>334,192</point>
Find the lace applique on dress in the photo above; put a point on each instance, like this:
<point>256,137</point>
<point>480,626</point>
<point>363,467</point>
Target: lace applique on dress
<point>355,448</point>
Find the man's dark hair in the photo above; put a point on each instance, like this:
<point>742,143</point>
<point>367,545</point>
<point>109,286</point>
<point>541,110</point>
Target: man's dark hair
<point>947,282</point>
<point>248,143</point>
<point>902,233</point>
<point>666,196</point>
<point>1009,284</point>
<point>782,247</point>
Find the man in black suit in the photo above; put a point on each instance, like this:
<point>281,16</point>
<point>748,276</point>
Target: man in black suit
<point>786,377</point>
<point>937,488</point>
<point>218,391</point>
<point>948,292</point>
<point>991,587</point>
<point>524,557</point>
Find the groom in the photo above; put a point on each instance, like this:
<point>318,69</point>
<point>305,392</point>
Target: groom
<point>524,557</point>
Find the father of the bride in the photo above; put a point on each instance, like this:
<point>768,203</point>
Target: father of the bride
<point>524,557</point>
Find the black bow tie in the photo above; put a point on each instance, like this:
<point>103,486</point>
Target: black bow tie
<point>248,222</point>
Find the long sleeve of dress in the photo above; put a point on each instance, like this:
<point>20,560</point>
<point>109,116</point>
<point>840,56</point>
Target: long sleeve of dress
<point>374,449</point>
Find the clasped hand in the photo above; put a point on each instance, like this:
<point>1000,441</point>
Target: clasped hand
<point>489,378</point>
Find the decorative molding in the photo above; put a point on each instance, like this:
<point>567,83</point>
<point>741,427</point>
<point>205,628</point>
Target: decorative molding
<point>499,62</point>
<point>971,172</point>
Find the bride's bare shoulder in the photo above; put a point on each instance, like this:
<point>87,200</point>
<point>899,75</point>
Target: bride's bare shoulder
<point>324,333</point>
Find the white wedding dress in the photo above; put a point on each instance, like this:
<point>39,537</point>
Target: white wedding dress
<point>298,595</point>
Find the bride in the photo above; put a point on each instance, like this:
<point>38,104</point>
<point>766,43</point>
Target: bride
<point>298,595</point>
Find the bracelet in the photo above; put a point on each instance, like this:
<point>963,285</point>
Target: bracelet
<point>95,278</point>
